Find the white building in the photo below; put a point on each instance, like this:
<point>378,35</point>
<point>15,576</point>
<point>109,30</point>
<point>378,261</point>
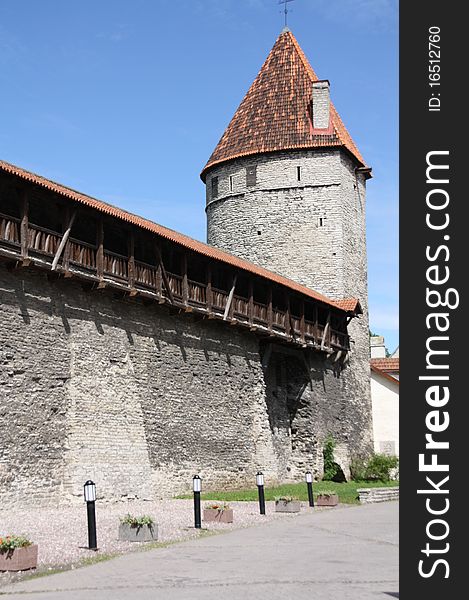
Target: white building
<point>384,398</point>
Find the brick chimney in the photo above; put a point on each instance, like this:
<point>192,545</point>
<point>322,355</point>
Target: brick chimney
<point>320,104</point>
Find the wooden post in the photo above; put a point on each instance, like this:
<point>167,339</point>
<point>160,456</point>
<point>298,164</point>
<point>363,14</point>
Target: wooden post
<point>185,283</point>
<point>100,251</point>
<point>164,276</point>
<point>316,324</point>
<point>208,292</point>
<point>63,241</point>
<point>159,276</point>
<point>159,283</point>
<point>287,315</point>
<point>269,309</point>
<point>131,263</point>
<point>24,230</point>
<point>251,301</point>
<point>326,329</point>
<point>66,252</point>
<point>230,300</point>
<point>302,320</point>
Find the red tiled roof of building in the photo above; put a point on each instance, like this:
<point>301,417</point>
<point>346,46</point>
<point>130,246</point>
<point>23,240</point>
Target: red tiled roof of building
<point>349,304</point>
<point>385,364</point>
<point>275,114</point>
<point>178,238</point>
<point>385,375</point>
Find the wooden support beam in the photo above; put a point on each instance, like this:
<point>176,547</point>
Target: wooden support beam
<point>164,276</point>
<point>159,277</point>
<point>251,301</point>
<point>316,324</point>
<point>302,320</point>
<point>63,241</point>
<point>66,252</point>
<point>338,355</point>
<point>270,317</point>
<point>24,228</point>
<point>167,285</point>
<point>292,328</point>
<point>326,329</point>
<point>185,284</point>
<point>100,249</point>
<point>131,260</point>
<point>208,291</point>
<point>230,299</point>
<point>288,327</point>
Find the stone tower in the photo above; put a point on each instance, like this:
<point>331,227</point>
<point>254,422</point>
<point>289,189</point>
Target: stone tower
<point>285,189</point>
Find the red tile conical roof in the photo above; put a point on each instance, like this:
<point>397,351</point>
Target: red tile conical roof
<point>275,113</point>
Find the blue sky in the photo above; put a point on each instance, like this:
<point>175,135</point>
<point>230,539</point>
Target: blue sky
<point>125,100</point>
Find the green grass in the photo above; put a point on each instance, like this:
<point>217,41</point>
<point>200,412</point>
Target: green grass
<point>347,491</point>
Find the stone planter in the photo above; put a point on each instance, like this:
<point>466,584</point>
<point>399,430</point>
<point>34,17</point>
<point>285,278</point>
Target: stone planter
<point>288,506</point>
<point>19,559</point>
<point>218,515</point>
<point>145,533</point>
<point>332,500</point>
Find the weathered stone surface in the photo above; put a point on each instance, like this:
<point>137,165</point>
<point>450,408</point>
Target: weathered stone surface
<point>372,495</point>
<point>145,533</point>
<point>312,231</point>
<point>287,506</point>
<point>96,386</point>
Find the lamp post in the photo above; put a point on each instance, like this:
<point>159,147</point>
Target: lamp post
<point>309,483</point>
<point>260,489</point>
<point>197,486</point>
<point>90,498</point>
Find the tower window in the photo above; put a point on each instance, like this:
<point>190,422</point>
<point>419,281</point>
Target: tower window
<point>321,222</point>
<point>251,176</point>
<point>231,183</point>
<point>298,173</point>
<point>214,187</point>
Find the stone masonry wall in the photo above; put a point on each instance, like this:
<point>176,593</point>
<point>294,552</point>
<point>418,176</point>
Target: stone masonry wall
<point>94,385</point>
<point>276,223</point>
<point>353,194</point>
<point>312,231</point>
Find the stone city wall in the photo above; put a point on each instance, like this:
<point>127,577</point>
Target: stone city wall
<point>95,385</point>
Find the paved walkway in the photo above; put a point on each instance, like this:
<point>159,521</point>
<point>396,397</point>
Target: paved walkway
<point>339,554</point>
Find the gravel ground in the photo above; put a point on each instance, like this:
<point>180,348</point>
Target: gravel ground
<point>61,533</point>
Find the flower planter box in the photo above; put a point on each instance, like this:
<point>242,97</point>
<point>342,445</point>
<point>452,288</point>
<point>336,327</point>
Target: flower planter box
<point>19,559</point>
<point>144,533</point>
<point>332,500</point>
<point>288,506</point>
<point>218,515</point>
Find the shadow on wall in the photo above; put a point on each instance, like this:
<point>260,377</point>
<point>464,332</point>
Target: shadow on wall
<point>35,292</point>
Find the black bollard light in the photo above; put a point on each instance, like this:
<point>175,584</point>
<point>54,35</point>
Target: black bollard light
<point>90,498</point>
<point>309,483</point>
<point>260,489</point>
<point>197,486</point>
